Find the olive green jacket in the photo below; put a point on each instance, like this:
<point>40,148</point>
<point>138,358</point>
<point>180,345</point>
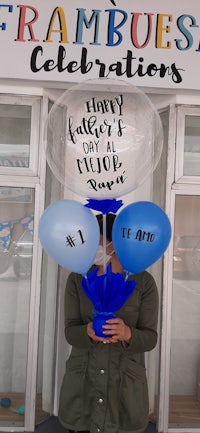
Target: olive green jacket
<point>105,388</point>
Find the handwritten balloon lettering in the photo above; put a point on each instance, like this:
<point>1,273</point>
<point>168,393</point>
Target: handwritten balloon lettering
<point>145,236</point>
<point>71,240</point>
<point>98,136</point>
<point>107,184</point>
<point>105,105</point>
<point>69,234</point>
<point>104,138</point>
<point>140,235</point>
<point>90,127</point>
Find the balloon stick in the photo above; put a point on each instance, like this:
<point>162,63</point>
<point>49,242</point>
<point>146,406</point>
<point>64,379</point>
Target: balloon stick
<point>104,243</point>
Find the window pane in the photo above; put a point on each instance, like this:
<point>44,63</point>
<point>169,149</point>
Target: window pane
<point>185,338</point>
<point>192,146</point>
<point>15,127</point>
<point>16,242</point>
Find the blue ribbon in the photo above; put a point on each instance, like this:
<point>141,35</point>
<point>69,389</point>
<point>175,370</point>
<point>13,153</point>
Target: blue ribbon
<point>104,206</point>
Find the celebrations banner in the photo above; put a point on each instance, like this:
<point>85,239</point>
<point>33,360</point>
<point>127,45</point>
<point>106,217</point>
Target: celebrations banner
<point>150,43</point>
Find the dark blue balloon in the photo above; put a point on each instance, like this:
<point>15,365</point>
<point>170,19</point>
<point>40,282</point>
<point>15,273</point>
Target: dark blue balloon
<point>141,234</point>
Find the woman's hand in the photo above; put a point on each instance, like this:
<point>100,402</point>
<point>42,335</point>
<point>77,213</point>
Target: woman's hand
<point>115,328</point>
<point>118,330</point>
<point>94,337</point>
<point>90,332</point>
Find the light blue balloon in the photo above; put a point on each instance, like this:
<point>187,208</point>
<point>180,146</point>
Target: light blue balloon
<point>69,233</point>
<point>141,234</point>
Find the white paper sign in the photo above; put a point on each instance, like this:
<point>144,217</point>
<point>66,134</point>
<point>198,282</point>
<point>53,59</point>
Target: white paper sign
<point>150,43</point>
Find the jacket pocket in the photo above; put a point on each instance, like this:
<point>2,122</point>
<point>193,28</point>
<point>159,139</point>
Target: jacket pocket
<point>71,393</point>
<point>134,405</point>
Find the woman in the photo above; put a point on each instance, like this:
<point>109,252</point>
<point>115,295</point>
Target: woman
<point>105,388</point>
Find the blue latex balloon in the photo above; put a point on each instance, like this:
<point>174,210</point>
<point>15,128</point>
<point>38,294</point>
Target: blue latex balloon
<point>141,234</point>
<point>69,233</point>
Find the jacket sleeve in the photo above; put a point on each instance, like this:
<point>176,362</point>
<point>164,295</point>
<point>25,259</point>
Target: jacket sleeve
<point>75,328</point>
<point>144,335</point>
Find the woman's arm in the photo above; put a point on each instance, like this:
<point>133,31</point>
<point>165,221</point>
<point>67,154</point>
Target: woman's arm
<point>75,328</point>
<point>143,336</point>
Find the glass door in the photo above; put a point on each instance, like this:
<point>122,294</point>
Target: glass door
<point>16,248</point>
<point>28,284</point>
<point>179,392</point>
<point>184,389</point>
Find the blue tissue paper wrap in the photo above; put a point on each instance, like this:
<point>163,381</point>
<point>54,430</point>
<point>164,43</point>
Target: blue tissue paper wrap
<point>108,293</point>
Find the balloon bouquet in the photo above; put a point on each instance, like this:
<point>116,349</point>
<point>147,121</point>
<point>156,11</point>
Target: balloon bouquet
<point>104,138</point>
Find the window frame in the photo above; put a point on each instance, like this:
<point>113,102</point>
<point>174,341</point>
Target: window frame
<point>35,103</point>
<point>182,112</point>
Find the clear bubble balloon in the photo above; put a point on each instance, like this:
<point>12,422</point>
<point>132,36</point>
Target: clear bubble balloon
<point>104,138</point>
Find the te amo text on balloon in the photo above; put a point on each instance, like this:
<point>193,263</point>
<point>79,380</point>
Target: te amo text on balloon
<point>140,235</point>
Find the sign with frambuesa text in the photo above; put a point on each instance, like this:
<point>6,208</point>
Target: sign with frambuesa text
<point>153,44</point>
